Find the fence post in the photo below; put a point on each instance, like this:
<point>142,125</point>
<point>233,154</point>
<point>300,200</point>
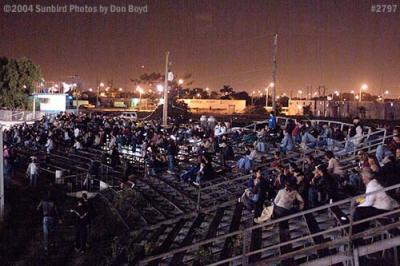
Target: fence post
<point>198,198</point>
<point>245,259</point>
<point>352,209</point>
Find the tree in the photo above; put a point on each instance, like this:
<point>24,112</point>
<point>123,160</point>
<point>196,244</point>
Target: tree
<point>150,81</point>
<point>214,95</point>
<point>226,92</point>
<point>17,81</point>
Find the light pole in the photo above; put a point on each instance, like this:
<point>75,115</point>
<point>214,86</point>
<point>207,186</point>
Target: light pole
<point>1,176</point>
<point>363,87</point>
<point>271,85</point>
<point>252,97</point>
<point>180,82</point>
<point>101,85</point>
<point>165,104</point>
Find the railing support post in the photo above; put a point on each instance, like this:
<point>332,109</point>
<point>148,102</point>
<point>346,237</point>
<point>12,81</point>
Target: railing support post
<point>245,259</point>
<point>352,209</point>
<point>198,198</point>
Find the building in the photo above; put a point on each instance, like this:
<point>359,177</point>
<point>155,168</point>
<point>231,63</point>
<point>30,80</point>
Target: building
<point>389,110</point>
<point>215,106</point>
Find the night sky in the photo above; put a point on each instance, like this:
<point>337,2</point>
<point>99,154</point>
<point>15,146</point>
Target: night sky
<point>339,44</point>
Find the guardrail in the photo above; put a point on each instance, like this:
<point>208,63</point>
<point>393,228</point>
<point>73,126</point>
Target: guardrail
<point>14,116</point>
<point>343,234</point>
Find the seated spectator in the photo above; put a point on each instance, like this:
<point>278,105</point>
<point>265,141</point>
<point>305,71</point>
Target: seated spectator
<point>373,163</point>
<point>246,162</point>
<point>287,143</point>
<point>334,167</point>
<point>227,152</point>
<point>323,187</point>
<point>301,184</point>
<point>310,136</point>
<point>276,161</point>
<point>311,163</point>
<point>285,201</point>
<point>255,194</point>
<point>374,204</point>
<point>382,151</point>
<point>190,174</point>
<point>285,176</point>
<point>388,174</point>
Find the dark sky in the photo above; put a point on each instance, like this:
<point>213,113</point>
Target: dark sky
<point>340,44</point>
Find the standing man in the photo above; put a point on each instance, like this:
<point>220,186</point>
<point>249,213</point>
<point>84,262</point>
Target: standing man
<point>49,211</point>
<point>81,217</point>
<point>32,172</point>
<point>171,152</point>
<point>272,121</point>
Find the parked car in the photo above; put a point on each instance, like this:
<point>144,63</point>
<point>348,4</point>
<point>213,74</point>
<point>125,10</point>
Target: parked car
<point>129,116</point>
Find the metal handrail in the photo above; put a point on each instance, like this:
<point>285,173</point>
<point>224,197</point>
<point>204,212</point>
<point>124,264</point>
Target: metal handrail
<point>246,231</point>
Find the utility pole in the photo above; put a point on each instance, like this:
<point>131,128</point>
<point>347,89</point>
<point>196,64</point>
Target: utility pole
<point>165,104</point>
<point>1,176</point>
<point>274,68</point>
<point>33,107</point>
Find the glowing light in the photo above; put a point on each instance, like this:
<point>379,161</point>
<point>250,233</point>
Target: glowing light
<point>160,87</point>
<point>357,97</point>
<point>207,89</point>
<point>271,84</point>
<point>352,92</point>
<point>180,82</point>
<point>386,92</point>
<point>90,89</point>
<point>101,84</point>
<point>139,89</point>
<point>364,86</point>
<point>120,89</point>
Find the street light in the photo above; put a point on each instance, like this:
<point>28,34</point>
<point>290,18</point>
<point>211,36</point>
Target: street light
<point>363,87</point>
<point>101,85</point>
<point>180,82</point>
<point>141,91</point>
<point>299,92</point>
<point>160,88</point>
<point>385,94</point>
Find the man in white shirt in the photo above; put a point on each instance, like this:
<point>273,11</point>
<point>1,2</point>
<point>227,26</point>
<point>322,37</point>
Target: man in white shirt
<point>284,200</point>
<point>32,172</point>
<point>374,204</point>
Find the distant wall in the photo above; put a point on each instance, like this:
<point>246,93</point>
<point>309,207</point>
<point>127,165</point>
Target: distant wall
<point>216,105</point>
<point>369,110</point>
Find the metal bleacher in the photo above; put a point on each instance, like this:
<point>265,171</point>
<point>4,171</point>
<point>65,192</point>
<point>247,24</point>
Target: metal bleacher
<point>181,224</point>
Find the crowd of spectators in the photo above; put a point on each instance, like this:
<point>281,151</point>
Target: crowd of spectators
<point>275,180</point>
